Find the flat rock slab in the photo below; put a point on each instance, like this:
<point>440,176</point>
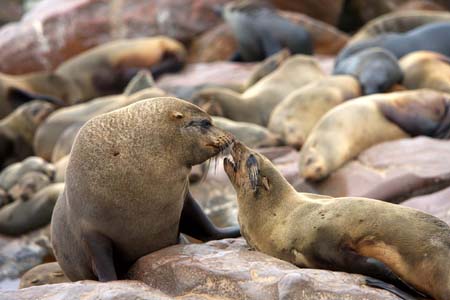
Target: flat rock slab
<point>436,204</point>
<point>393,171</point>
<point>227,269</point>
<point>56,30</point>
<point>89,290</point>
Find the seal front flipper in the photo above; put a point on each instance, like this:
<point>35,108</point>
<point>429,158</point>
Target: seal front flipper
<point>196,224</point>
<point>100,249</point>
<point>389,287</point>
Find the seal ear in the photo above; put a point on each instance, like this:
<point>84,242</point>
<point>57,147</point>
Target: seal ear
<point>265,183</point>
<point>253,171</point>
<point>177,115</point>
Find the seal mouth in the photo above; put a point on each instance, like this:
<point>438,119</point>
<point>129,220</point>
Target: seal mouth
<point>234,164</point>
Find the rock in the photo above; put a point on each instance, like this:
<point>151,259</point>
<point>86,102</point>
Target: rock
<point>436,204</point>
<point>49,273</point>
<point>227,269</point>
<point>18,255</point>
<point>219,44</point>
<point>393,171</point>
<point>113,290</point>
<point>323,10</point>
<point>56,30</point>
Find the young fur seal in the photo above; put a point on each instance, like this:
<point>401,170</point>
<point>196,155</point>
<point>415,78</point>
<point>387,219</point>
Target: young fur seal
<point>426,69</point>
<point>18,128</point>
<point>296,115</point>
<point>261,32</point>
<point>357,235</point>
<point>127,190</point>
<point>257,102</point>
<point>354,126</point>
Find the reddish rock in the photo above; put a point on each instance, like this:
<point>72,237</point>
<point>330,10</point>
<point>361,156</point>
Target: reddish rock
<point>393,171</point>
<point>57,30</point>
<point>323,10</point>
<point>436,204</point>
<point>227,269</point>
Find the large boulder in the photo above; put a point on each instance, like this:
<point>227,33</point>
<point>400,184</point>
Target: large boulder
<point>56,30</point>
<point>228,269</point>
<point>393,171</point>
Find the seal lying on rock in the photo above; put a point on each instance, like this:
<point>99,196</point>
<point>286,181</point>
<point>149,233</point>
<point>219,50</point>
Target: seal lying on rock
<point>356,125</point>
<point>261,32</point>
<point>426,69</point>
<point>18,128</point>
<point>357,235</point>
<point>296,115</point>
<point>257,102</point>
<point>127,191</point>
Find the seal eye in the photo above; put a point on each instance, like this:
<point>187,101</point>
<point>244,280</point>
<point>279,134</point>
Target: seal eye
<point>177,115</point>
<point>205,124</point>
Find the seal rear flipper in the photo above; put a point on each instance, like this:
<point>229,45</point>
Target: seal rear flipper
<point>196,224</point>
<point>389,287</point>
<point>17,97</point>
<point>142,80</point>
<point>100,250</point>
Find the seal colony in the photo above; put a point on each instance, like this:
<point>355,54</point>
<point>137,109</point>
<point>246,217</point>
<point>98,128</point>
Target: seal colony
<point>128,168</point>
<point>315,231</point>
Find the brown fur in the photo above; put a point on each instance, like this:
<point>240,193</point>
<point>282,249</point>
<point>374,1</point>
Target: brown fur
<point>425,69</point>
<point>127,169</point>
<point>296,115</point>
<point>316,231</point>
<point>257,102</point>
<point>49,273</point>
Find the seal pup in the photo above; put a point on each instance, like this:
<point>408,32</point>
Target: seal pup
<point>261,32</point>
<point>48,273</point>
<point>295,116</point>
<point>431,37</point>
<point>127,190</point>
<point>356,235</point>
<point>375,68</point>
<point>142,86</point>
<point>18,128</point>
<point>256,104</point>
<point>425,69</point>
<point>108,68</point>
<point>354,126</point>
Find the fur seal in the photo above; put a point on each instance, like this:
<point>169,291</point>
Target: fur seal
<point>431,37</point>
<point>356,235</point>
<point>107,69</point>
<point>296,115</point>
<point>256,104</point>
<point>49,273</point>
<point>18,128</point>
<point>109,215</point>
<point>261,32</point>
<point>12,174</point>
<point>351,127</point>
<point>25,215</point>
<point>425,69</point>
<point>398,22</point>
<point>28,185</point>
<point>140,87</point>
<point>376,69</point>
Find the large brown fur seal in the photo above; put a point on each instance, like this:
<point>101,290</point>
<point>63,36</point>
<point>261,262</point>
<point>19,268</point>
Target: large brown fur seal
<point>140,87</point>
<point>127,191</point>
<point>425,69</point>
<point>353,126</point>
<point>297,114</point>
<point>356,235</point>
<point>256,104</point>
<point>18,128</point>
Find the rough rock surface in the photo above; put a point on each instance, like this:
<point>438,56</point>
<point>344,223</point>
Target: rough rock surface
<point>89,290</point>
<point>227,269</point>
<point>436,204</point>
<point>55,30</point>
<point>393,171</point>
